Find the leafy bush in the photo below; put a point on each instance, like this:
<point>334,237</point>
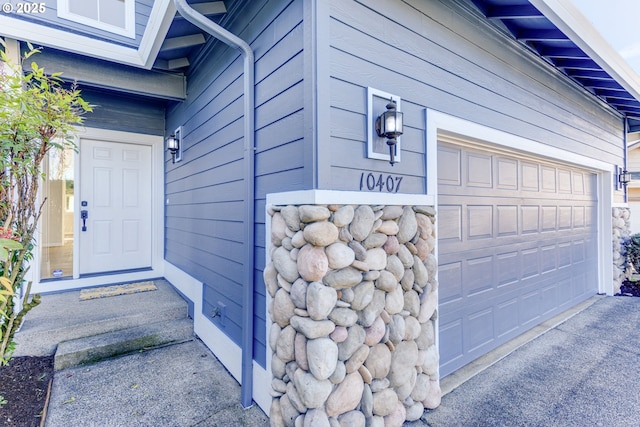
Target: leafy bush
<point>632,252</point>
<point>37,113</point>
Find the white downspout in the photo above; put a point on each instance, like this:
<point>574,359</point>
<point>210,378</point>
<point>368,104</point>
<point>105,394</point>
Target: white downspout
<point>232,40</point>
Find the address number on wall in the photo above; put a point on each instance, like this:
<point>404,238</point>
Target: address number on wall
<point>380,182</point>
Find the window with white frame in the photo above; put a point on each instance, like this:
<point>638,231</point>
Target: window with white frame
<point>115,16</point>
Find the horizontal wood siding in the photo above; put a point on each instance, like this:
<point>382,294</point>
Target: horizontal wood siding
<point>205,191</point>
<point>444,56</point>
<point>128,114</point>
<point>50,19</point>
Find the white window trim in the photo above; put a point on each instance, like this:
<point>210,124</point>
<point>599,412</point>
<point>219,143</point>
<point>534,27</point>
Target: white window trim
<point>129,29</point>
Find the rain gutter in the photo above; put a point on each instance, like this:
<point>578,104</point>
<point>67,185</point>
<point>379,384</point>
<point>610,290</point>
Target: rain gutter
<point>234,41</point>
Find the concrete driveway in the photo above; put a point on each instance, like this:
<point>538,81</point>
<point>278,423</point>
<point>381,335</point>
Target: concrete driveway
<point>583,372</point>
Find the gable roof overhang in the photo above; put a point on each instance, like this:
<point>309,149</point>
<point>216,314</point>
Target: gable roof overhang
<point>160,19</point>
<point>558,32</point>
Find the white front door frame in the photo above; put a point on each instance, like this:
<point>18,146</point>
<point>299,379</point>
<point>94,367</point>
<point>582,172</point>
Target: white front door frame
<point>157,217</point>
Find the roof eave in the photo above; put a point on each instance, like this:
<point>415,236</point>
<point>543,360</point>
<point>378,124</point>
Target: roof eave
<point>566,17</point>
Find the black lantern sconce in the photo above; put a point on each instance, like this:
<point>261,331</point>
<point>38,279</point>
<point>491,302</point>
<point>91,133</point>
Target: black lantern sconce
<point>624,177</point>
<point>389,125</point>
<point>174,145</point>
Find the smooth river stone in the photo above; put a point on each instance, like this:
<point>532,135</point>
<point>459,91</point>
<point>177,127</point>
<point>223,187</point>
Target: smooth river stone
<point>384,402</point>
<point>322,356</point>
<point>285,266</point>
<point>434,395</point>
<point>278,226</point>
<point>312,213</point>
<point>395,267</point>
<point>291,217</point>
<point>408,226</point>
<point>343,216</point>
<point>300,351</point>
<point>403,363</point>
<point>352,419</point>
<point>286,344</point>
<point>428,305</point>
<point>394,301</point>
<point>362,295</point>
<point>298,294</point>
<point>362,223</point>
<point>282,308</point>
<point>397,417</point>
<point>425,226</point>
<point>316,418</point>
<point>312,263</point>
<point>389,228</point>
<point>312,391</point>
<point>391,212</point>
<point>346,396</point>
<point>391,246</point>
<point>374,240</point>
<point>420,272</point>
<point>412,303</point>
<point>375,332</point>
<point>357,359</point>
<point>425,210</point>
<point>343,316</point>
<point>378,361</point>
<point>368,315</point>
<point>321,300</point>
<point>270,279</point>
<point>354,340</point>
<point>376,259</point>
<point>386,282</point>
<point>339,334</point>
<point>339,255</point>
<point>406,257</point>
<point>297,241</point>
<point>321,233</point>
<point>343,278</point>
<point>311,328</point>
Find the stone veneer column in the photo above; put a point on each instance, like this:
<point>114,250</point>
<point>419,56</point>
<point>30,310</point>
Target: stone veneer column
<point>621,225</point>
<point>354,304</point>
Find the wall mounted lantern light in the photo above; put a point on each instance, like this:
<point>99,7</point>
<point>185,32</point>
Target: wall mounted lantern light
<point>389,125</point>
<point>174,145</point>
<point>624,177</point>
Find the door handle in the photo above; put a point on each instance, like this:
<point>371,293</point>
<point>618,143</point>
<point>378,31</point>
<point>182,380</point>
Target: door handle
<point>84,214</point>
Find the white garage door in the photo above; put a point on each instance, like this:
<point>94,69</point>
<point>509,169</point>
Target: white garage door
<point>517,245</point>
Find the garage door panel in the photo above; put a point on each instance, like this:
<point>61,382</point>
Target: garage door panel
<point>507,170</point>
<point>478,329</point>
<point>514,248</point>
<point>479,170</point>
<point>480,221</point>
<point>478,275</point>
<point>451,274</point>
<point>450,223</point>
<point>507,220</point>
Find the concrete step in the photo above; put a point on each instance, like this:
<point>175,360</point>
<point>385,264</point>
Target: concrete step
<point>64,317</point>
<point>106,345</point>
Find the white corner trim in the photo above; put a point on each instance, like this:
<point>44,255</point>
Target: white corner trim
<point>568,18</point>
<point>227,352</point>
<point>325,197</point>
<point>262,387</point>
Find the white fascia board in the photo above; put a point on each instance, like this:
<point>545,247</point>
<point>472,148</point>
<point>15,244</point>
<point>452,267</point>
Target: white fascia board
<point>568,18</point>
<point>159,21</point>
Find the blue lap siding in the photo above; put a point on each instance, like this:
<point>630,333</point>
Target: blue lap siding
<point>205,191</point>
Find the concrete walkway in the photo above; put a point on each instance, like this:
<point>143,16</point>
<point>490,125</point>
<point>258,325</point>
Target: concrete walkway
<point>584,372</point>
<point>178,385</point>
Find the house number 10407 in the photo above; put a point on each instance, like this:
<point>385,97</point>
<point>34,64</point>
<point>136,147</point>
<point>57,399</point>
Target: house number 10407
<point>380,182</point>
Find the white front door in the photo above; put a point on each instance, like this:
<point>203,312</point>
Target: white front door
<point>115,194</point>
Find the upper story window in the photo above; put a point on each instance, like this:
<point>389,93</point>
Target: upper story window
<point>116,16</point>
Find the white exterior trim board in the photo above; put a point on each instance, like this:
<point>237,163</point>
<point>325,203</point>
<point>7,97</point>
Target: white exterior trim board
<point>144,56</point>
